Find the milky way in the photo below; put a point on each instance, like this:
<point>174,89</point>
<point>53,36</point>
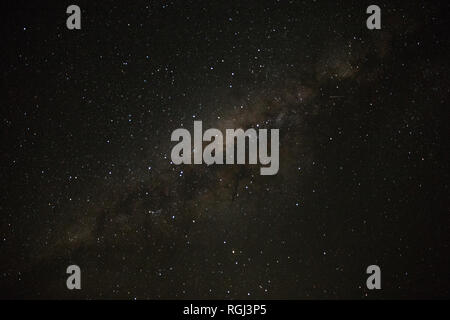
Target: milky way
<point>87,176</point>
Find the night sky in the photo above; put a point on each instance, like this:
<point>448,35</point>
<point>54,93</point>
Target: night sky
<point>86,173</point>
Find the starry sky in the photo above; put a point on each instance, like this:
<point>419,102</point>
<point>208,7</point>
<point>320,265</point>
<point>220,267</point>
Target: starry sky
<point>87,179</point>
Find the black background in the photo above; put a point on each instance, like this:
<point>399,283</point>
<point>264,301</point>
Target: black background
<point>86,118</point>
